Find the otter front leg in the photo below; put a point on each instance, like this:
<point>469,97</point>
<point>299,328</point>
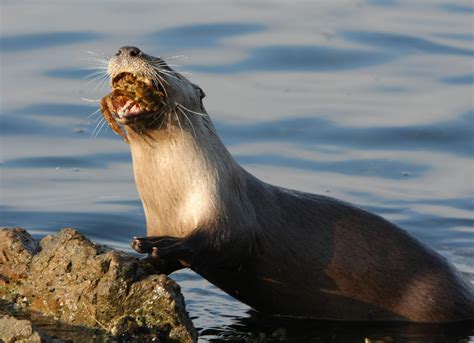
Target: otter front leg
<point>166,254</point>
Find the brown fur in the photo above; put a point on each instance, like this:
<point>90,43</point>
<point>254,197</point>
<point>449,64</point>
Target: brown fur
<point>280,251</point>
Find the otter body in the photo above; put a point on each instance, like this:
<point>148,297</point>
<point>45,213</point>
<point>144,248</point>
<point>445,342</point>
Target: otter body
<point>280,251</point>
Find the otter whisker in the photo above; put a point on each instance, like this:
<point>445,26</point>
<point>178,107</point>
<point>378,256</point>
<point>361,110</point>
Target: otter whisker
<point>100,56</point>
<point>162,122</point>
<point>158,77</point>
<point>179,122</point>
<point>159,115</point>
<point>96,126</point>
<point>97,111</point>
<point>97,119</point>
<point>168,74</point>
<point>187,109</point>
<point>102,81</point>
<point>168,121</point>
<point>90,52</point>
<point>100,77</point>
<point>175,57</point>
<point>94,67</point>
<point>96,74</point>
<point>96,60</point>
<point>154,120</point>
<point>162,112</point>
<point>171,73</point>
<point>158,80</point>
<point>100,128</point>
<point>101,63</point>
<point>165,64</point>
<point>189,121</point>
<point>97,132</point>
<point>90,100</point>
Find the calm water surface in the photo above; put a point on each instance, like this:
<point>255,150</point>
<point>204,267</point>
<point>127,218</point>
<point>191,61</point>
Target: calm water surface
<point>367,101</point>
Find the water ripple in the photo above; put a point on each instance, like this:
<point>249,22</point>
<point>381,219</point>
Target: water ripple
<point>299,58</point>
<point>201,35</point>
<point>57,109</point>
<point>111,227</point>
<point>467,79</point>
<point>382,168</point>
<point>455,136</point>
<point>385,3</point>
<point>403,43</point>
<point>458,8</point>
<point>94,161</point>
<point>31,41</point>
<point>70,73</point>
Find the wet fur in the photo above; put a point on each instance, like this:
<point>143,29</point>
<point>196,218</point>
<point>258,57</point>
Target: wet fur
<point>281,251</point>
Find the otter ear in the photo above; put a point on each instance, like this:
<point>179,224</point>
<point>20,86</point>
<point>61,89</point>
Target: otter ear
<point>201,92</point>
<point>203,95</point>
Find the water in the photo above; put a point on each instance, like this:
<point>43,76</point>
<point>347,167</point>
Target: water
<point>367,101</point>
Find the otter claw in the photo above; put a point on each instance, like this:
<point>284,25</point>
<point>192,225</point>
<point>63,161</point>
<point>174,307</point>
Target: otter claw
<point>141,245</point>
<point>146,245</point>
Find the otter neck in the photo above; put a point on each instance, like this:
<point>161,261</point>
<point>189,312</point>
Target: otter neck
<point>187,180</point>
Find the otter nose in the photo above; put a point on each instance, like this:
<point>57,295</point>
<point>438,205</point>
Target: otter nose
<point>128,51</point>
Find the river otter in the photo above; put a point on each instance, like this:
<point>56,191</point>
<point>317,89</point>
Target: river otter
<point>278,250</point>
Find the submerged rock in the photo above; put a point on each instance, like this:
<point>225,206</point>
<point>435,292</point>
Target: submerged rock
<point>79,283</point>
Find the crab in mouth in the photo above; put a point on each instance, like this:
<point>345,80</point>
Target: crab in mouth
<point>133,98</point>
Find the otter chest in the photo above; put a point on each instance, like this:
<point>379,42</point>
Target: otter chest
<point>175,188</point>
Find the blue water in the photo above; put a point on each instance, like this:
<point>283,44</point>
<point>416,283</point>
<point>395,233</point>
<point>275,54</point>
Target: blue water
<point>367,101</point>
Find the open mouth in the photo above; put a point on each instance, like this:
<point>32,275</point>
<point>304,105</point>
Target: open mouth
<point>134,97</point>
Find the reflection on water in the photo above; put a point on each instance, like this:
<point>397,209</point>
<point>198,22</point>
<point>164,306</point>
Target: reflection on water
<point>370,102</point>
<point>270,329</point>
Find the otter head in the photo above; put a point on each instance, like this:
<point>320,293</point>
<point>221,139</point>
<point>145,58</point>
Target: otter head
<point>147,95</point>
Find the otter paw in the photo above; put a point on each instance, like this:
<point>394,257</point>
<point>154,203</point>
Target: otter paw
<point>143,245</point>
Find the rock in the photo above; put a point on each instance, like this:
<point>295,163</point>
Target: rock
<point>16,330</point>
<point>17,249</point>
<point>77,282</point>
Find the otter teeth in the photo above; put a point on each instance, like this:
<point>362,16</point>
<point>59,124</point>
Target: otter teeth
<point>129,109</point>
<point>125,109</point>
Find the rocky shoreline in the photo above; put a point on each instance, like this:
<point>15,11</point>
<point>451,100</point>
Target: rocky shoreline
<point>66,288</point>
